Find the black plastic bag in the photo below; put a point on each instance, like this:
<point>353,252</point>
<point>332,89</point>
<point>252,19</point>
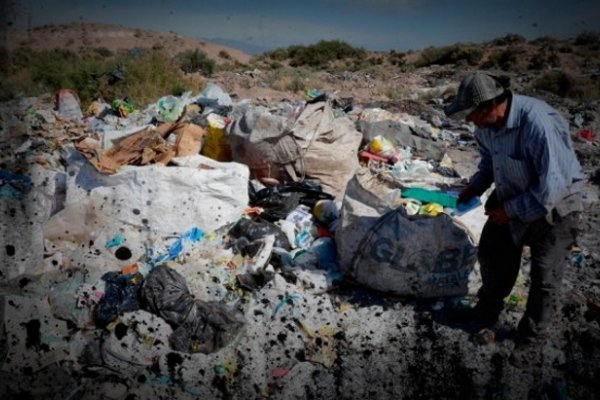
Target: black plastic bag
<point>280,200</point>
<point>197,326</point>
<point>120,295</point>
<point>257,229</point>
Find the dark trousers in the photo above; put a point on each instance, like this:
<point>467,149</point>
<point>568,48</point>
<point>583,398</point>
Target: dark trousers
<point>500,260</point>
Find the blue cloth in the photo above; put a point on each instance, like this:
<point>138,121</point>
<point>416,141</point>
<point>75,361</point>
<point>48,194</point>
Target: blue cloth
<point>531,160</point>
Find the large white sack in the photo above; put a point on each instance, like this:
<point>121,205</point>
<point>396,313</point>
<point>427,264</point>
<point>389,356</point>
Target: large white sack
<point>386,250</point>
<point>146,202</point>
<point>317,146</point>
<point>21,238</point>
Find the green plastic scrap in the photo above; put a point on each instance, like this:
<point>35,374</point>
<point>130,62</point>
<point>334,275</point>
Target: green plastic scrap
<point>219,369</point>
<point>169,109</point>
<point>430,196</point>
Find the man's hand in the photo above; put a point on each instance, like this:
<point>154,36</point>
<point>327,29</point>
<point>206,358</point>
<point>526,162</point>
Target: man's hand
<point>498,215</point>
<point>464,196</point>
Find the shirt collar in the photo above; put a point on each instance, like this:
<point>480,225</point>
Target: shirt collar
<point>513,121</point>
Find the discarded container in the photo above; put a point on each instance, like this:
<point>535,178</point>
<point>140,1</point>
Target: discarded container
<point>326,211</point>
<point>216,145</point>
<point>170,108</point>
<point>67,104</point>
<point>382,146</point>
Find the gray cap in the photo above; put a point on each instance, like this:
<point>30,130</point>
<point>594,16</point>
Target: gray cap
<point>474,90</point>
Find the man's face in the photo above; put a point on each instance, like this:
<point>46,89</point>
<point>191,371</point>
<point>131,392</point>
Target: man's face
<point>484,116</point>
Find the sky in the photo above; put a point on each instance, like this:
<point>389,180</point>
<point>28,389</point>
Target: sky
<point>260,25</point>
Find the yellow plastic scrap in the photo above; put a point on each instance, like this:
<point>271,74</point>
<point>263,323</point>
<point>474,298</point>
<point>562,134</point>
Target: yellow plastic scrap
<point>343,307</point>
<point>230,367</point>
<point>304,328</point>
<point>431,209</point>
<point>326,330</point>
<point>382,146</point>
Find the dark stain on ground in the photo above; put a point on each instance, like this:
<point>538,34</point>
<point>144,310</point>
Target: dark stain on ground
<point>24,282</point>
<point>123,253</point>
<point>10,250</point>
<point>173,361</point>
<point>33,333</point>
<point>282,337</point>
<point>120,330</point>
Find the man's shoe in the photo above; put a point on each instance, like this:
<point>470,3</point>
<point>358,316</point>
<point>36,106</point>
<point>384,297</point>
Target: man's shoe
<point>475,316</point>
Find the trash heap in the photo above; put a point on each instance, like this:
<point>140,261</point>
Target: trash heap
<point>189,248</point>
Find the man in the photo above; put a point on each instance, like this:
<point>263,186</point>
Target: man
<point>526,151</point>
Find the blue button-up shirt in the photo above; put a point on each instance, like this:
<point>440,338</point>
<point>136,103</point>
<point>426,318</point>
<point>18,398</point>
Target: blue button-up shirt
<point>531,161</point>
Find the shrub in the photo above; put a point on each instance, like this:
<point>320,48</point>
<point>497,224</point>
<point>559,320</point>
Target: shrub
<point>397,59</point>
<point>297,84</point>
<point>196,61</point>
<point>394,94</point>
<point>225,55</point>
<point>545,57</point>
<point>277,54</point>
<point>509,59</point>
<point>322,53</point>
<point>559,83</point>
<point>588,38</point>
<point>509,40</point>
<point>285,79</point>
<point>103,52</point>
<point>147,76</point>
<point>544,41</point>
<point>455,54</point>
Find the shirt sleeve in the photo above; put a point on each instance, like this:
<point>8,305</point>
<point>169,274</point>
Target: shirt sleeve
<point>546,152</point>
<point>484,176</point>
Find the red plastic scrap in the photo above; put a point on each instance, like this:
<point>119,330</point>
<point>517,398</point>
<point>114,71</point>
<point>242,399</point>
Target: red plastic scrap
<point>587,134</point>
<point>279,372</point>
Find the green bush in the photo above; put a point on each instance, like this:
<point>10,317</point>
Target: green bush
<point>544,41</point>
<point>559,83</point>
<point>545,57</point>
<point>286,79</point>
<point>509,59</point>
<point>456,54</point>
<point>277,54</point>
<point>196,61</point>
<point>509,40</point>
<point>225,55</point>
<point>322,53</point>
<point>148,75</point>
<point>588,38</point>
<point>103,52</point>
<point>397,59</point>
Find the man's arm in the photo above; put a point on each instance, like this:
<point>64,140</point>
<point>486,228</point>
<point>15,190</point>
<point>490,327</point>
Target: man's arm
<point>483,178</point>
<point>548,155</point>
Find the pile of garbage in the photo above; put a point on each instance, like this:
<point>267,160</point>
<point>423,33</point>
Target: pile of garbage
<point>188,247</point>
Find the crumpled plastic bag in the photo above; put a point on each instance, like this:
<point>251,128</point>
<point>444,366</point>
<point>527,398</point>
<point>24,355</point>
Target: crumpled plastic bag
<point>198,326</point>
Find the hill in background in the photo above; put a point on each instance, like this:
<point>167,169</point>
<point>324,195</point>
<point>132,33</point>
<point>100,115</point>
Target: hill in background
<point>110,61</point>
